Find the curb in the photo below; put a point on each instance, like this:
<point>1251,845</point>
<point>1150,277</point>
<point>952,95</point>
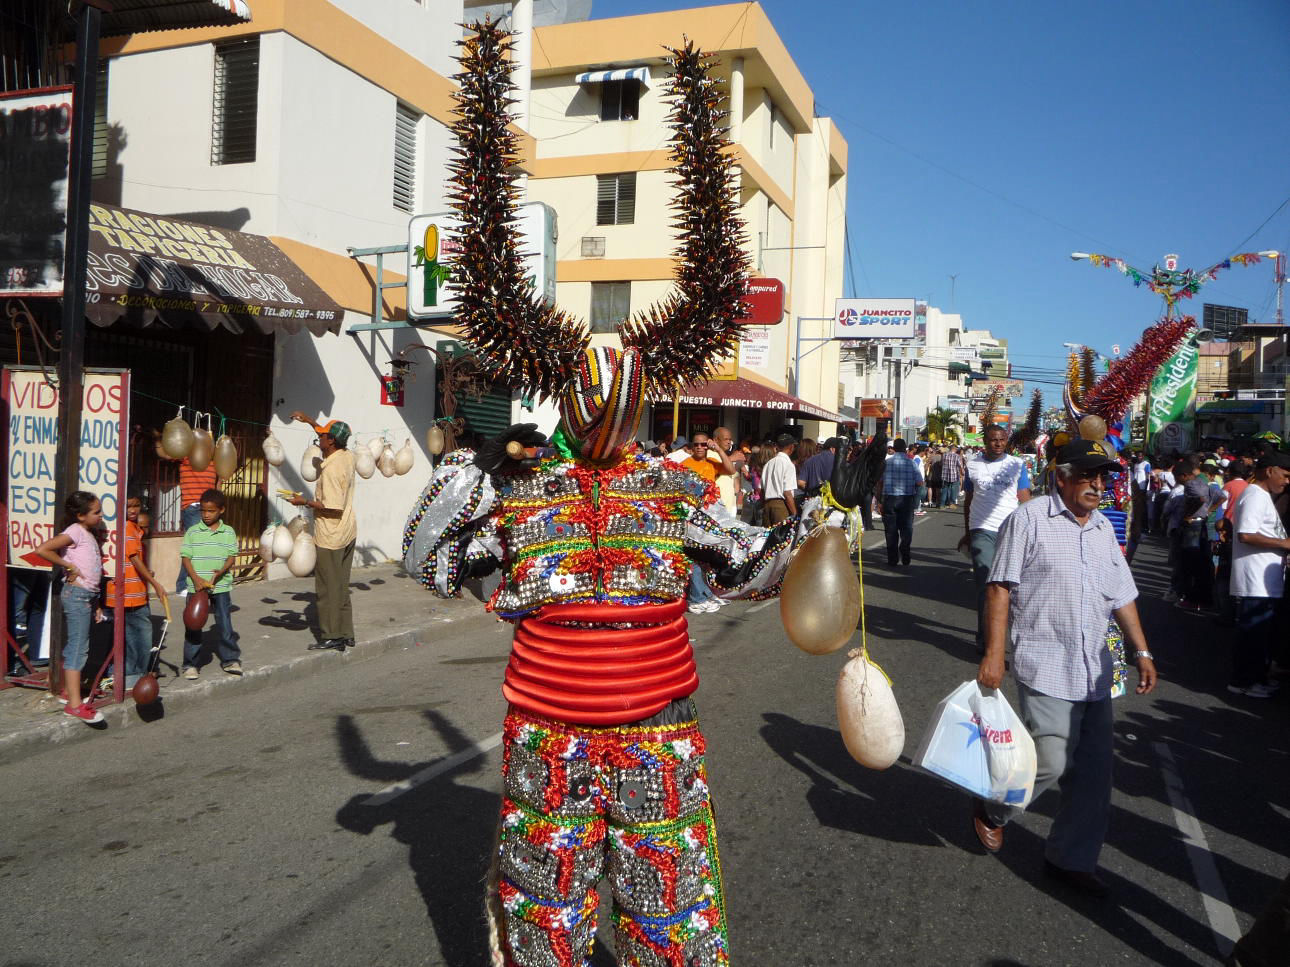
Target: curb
<point>54,728</point>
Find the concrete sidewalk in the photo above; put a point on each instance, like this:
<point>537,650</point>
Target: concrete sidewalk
<point>274,619</point>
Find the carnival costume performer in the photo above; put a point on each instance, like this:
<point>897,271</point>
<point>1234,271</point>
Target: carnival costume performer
<point>1096,409</point>
<point>603,759</point>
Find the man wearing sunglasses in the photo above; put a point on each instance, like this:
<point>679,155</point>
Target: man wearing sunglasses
<point>1058,577</point>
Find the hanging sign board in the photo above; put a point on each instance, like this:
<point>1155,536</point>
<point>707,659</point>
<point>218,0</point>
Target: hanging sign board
<point>754,347</point>
<point>31,442</point>
<point>765,299</point>
<point>433,245</point>
<point>873,319</point>
<point>35,145</point>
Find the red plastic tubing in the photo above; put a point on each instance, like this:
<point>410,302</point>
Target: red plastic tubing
<point>601,675</point>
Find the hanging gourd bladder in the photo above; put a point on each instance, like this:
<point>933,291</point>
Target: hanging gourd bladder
<point>203,449</point>
<point>283,541</point>
<point>311,462</point>
<point>820,600</point>
<point>364,465</point>
<point>266,543</point>
<point>225,457</point>
<point>376,446</point>
<point>434,440</point>
<point>297,526</point>
<point>404,459</point>
<point>386,463</point>
<point>273,451</point>
<point>304,555</point>
<point>177,437</point>
<point>868,716</point>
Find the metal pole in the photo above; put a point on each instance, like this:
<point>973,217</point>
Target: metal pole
<point>71,357</point>
<point>797,354</point>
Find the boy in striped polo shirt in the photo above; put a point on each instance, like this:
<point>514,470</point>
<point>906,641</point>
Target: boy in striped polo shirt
<point>208,552</point>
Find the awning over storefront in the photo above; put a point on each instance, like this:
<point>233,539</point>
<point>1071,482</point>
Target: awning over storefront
<point>138,16</point>
<point>1230,407</point>
<point>146,269</point>
<point>746,394</point>
<point>622,74</point>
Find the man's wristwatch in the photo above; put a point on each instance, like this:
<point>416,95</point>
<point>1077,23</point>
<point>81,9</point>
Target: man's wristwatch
<point>1143,654</point>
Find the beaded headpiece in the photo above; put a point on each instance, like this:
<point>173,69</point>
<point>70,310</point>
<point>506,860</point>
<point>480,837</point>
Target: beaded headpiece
<point>602,405</point>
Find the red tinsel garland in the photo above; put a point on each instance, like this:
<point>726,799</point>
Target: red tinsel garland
<point>1111,395</point>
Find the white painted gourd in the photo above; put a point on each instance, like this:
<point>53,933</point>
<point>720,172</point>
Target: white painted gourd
<point>364,465</point>
<point>310,462</point>
<point>225,457</point>
<point>304,555</point>
<point>283,542</point>
<point>297,526</point>
<point>868,716</point>
<point>266,543</point>
<point>434,440</point>
<point>386,463</point>
<point>203,449</point>
<point>273,451</point>
<point>375,446</point>
<point>177,438</point>
<point>404,459</point>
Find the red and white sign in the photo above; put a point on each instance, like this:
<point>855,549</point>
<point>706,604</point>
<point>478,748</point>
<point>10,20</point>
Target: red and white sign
<point>765,300</point>
<point>32,440</point>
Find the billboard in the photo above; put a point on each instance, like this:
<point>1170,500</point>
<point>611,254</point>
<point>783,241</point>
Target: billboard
<point>432,246</point>
<point>36,138</point>
<point>1008,388</point>
<point>1171,419</point>
<point>873,319</point>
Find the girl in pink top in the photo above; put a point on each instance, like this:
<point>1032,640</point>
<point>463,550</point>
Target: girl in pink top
<point>82,560</point>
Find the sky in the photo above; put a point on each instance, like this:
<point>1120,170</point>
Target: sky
<point>989,141</point>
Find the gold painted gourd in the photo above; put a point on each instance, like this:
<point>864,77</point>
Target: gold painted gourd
<point>820,600</point>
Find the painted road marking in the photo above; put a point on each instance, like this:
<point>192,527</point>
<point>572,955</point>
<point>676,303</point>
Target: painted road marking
<point>761,605</point>
<point>1222,919</point>
<point>392,792</point>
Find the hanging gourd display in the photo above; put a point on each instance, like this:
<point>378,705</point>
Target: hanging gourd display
<point>386,463</point>
<point>273,451</point>
<point>404,459</point>
<point>266,543</point>
<point>203,449</point>
<point>434,440</point>
<point>304,555</point>
<point>868,716</point>
<point>311,462</point>
<point>225,457</point>
<point>375,446</point>
<point>283,541</point>
<point>177,437</point>
<point>820,600</point>
<point>364,465</point>
<point>297,526</point>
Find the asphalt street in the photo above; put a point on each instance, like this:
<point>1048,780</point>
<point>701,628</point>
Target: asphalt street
<point>346,818</point>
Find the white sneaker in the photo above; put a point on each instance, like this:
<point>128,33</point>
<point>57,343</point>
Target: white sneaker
<point>698,607</point>
<point>1253,691</point>
<point>720,603</point>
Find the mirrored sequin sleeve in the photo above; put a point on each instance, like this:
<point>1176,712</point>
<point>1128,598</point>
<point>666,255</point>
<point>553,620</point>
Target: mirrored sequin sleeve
<point>450,534</point>
<point>741,560</point>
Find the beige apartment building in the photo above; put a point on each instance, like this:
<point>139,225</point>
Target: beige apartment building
<point>598,116</point>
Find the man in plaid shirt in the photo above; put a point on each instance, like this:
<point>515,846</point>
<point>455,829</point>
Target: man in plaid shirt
<point>951,477</point>
<point>899,485</point>
<point>1058,576</point>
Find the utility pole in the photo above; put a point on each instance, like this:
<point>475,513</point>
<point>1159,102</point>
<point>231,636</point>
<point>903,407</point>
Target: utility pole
<point>953,280</point>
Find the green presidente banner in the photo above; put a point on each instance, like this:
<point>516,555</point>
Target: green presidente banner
<point>1172,416</point>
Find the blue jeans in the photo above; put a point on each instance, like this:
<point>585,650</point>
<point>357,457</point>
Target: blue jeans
<point>190,515</point>
<point>949,492</point>
<point>981,544</point>
<point>138,642</point>
<point>699,590</point>
<point>898,522</point>
<point>226,647</point>
<point>78,609</point>
<point>1256,623</point>
<point>29,591</point>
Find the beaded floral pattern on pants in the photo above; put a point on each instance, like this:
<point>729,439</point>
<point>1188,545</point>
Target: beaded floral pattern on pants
<point>631,802</point>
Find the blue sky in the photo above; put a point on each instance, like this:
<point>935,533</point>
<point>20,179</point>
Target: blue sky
<point>991,140</point>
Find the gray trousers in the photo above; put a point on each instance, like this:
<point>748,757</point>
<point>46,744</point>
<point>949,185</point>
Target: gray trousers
<point>981,544</point>
<point>1073,743</point>
<point>331,583</point>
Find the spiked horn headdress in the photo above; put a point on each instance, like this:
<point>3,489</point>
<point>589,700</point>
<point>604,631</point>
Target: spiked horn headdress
<point>528,344</point>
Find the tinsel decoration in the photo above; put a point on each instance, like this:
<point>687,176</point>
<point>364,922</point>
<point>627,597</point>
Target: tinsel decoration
<point>684,338</point>
<point>990,415</point>
<point>520,341</point>
<point>1087,370</point>
<point>1111,396</point>
<point>527,344</point>
<point>1073,376</point>
<point>1028,432</point>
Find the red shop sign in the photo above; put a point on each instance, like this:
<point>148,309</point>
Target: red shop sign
<point>765,300</point>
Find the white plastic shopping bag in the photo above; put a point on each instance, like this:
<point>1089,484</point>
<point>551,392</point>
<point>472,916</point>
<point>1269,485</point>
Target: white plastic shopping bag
<point>976,741</point>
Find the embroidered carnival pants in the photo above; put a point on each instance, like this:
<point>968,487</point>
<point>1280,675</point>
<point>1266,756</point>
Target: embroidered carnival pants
<point>631,802</point>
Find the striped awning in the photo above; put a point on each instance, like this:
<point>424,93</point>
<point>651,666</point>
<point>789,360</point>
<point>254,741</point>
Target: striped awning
<point>621,74</point>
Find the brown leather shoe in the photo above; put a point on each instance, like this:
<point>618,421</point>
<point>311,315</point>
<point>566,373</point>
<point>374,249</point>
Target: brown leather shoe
<point>1087,883</point>
<point>990,835</point>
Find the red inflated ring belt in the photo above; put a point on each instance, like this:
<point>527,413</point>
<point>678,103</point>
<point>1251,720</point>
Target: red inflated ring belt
<point>601,675</point>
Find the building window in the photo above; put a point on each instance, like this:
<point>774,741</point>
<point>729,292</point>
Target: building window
<point>99,160</point>
<point>616,199</point>
<point>405,157</point>
<point>237,87</point>
<point>620,100</point>
<point>610,305</point>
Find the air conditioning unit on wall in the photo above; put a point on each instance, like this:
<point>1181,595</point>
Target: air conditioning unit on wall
<point>593,246</point>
